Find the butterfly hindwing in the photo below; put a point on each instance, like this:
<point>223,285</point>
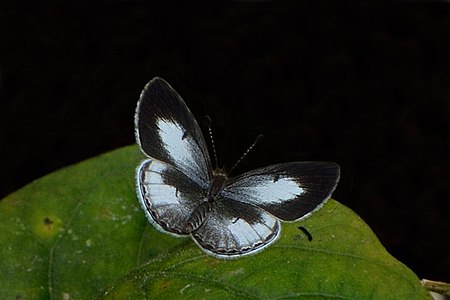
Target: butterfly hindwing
<point>288,191</point>
<point>167,131</point>
<point>168,197</point>
<point>235,228</point>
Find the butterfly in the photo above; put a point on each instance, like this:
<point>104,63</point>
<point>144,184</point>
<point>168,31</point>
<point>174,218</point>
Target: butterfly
<point>181,194</point>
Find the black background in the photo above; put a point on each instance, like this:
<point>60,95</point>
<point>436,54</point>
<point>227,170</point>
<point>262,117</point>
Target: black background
<point>364,84</point>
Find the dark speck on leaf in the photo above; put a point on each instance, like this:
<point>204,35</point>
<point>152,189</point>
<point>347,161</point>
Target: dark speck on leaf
<point>306,232</point>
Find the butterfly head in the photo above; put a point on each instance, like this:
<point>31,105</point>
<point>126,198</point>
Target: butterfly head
<point>220,172</point>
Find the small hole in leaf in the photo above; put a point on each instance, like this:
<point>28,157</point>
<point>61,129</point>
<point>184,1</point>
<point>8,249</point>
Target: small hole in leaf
<point>48,221</point>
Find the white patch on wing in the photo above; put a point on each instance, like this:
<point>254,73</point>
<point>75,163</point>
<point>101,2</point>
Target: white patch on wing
<point>154,187</point>
<point>153,175</point>
<point>183,150</point>
<point>247,234</point>
<point>264,189</point>
<point>172,137</point>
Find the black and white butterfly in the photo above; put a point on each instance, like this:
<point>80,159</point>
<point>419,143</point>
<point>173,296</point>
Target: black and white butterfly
<point>227,217</point>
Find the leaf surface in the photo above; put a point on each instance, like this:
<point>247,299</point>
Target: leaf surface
<point>79,233</point>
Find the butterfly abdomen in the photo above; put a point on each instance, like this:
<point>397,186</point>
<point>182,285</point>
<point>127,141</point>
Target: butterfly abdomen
<point>198,216</point>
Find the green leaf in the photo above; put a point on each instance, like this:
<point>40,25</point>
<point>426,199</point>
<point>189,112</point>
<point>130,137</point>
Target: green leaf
<point>80,233</point>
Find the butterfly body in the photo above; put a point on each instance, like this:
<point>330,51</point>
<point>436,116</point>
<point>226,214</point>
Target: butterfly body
<point>212,195</point>
<point>227,217</point>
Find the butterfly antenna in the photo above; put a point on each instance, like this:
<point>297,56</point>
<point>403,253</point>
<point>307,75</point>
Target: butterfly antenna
<point>211,137</point>
<point>258,138</point>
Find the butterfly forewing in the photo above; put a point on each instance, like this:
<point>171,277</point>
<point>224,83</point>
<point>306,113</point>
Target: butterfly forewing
<point>236,228</point>
<point>289,191</point>
<point>167,131</point>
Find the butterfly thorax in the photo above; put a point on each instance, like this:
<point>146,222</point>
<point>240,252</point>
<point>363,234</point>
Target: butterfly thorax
<point>218,182</point>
